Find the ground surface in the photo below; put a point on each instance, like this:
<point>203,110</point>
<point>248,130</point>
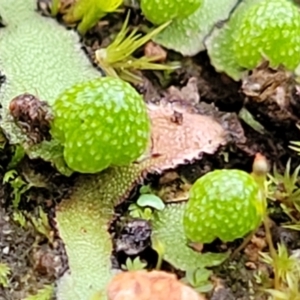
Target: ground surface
<point>37,258</point>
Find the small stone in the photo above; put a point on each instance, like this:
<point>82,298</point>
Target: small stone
<point>5,250</point>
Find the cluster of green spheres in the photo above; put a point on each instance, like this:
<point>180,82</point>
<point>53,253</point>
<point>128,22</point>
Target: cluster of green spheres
<point>224,204</point>
<point>100,123</point>
<point>268,29</point>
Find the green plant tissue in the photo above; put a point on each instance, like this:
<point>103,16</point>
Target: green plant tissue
<point>37,56</point>
<point>257,30</point>
<point>82,222</point>
<point>168,231</point>
<point>187,35</point>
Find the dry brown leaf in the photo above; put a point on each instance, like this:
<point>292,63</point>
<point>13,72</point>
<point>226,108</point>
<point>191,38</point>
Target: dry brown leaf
<point>254,248</point>
<point>189,93</point>
<point>268,84</point>
<point>153,50</point>
<point>198,247</point>
<point>143,285</point>
<point>174,191</point>
<point>180,136</point>
<point>65,5</point>
<point>250,265</point>
<point>168,177</point>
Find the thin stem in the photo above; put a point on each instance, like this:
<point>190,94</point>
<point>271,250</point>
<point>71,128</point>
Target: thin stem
<point>160,250</point>
<point>54,8</point>
<point>244,244</point>
<point>272,251</point>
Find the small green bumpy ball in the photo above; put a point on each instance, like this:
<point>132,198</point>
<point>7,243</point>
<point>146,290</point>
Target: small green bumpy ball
<point>269,29</point>
<point>100,123</point>
<point>224,204</point>
<point>161,11</point>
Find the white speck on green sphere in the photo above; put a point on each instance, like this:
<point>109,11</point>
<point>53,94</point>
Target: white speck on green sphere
<point>100,123</point>
<point>269,29</point>
<point>161,11</point>
<point>224,204</point>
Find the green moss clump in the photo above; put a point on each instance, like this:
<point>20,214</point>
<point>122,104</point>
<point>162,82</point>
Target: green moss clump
<point>257,30</point>
<point>271,30</point>
<point>100,123</point>
<point>88,12</point>
<point>223,204</point>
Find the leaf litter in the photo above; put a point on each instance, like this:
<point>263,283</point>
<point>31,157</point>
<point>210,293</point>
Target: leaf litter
<point>89,208</point>
<point>85,216</point>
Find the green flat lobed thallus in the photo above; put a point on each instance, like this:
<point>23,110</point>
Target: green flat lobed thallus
<point>39,56</point>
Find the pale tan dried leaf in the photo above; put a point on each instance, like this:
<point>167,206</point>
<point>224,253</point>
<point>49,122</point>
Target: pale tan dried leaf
<point>180,136</point>
<point>189,93</point>
<point>153,50</point>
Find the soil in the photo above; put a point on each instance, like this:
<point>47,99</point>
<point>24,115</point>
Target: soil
<point>37,259</point>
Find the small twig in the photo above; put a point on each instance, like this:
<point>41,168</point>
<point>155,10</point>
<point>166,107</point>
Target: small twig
<point>243,245</point>
<point>272,251</point>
